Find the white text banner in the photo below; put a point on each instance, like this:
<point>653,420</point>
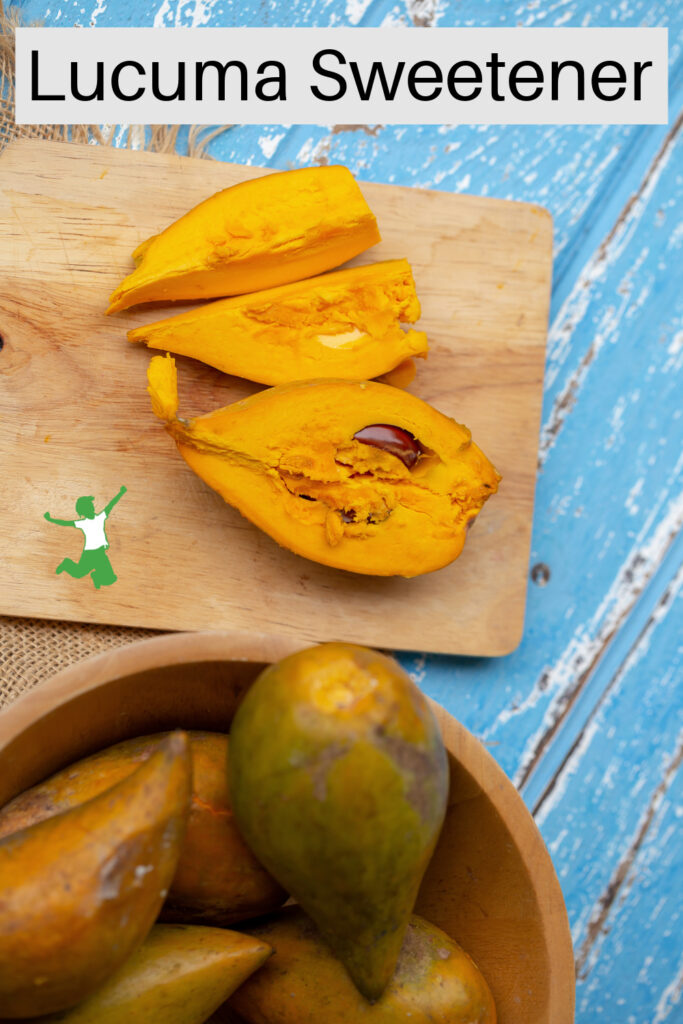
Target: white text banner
<point>341,75</point>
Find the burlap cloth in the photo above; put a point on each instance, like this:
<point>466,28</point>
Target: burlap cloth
<point>34,649</point>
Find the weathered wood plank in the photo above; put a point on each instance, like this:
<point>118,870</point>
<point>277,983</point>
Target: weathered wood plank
<point>611,825</point>
<point>635,970</point>
<point>608,493</point>
<point>646,613</point>
<point>593,815</point>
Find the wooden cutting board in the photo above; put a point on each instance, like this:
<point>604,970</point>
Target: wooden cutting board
<point>76,418</point>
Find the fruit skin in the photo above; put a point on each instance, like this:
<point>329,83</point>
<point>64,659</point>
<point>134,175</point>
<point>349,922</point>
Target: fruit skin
<point>401,376</point>
<point>218,880</point>
<point>345,324</point>
<point>180,975</point>
<point>340,781</point>
<point>286,458</point>
<point>80,891</point>
<point>261,233</point>
<point>435,981</point>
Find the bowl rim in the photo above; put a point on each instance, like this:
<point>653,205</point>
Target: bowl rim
<point>228,645</point>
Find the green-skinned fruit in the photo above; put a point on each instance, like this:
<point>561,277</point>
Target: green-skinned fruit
<point>218,880</point>
<point>79,892</point>
<point>180,975</point>
<point>339,781</point>
<point>435,981</point>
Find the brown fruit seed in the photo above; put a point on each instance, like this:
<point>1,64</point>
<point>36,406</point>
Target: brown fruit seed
<point>394,440</point>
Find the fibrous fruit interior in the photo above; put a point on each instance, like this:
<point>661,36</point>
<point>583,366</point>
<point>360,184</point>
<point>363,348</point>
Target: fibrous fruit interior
<point>346,324</point>
<point>288,460</point>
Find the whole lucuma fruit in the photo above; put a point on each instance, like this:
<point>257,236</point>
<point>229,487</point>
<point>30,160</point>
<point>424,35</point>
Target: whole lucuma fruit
<point>435,981</point>
<point>339,781</point>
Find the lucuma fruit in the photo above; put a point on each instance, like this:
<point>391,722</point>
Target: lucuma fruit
<point>259,234</point>
<point>435,981</point>
<point>80,891</point>
<point>344,325</point>
<point>298,461</point>
<point>180,975</point>
<point>339,781</point>
<point>218,880</point>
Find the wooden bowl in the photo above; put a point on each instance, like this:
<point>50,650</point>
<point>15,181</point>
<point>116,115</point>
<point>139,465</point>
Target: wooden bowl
<point>491,883</point>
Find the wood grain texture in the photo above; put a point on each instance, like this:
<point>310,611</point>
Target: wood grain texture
<point>490,884</point>
<point>77,417</point>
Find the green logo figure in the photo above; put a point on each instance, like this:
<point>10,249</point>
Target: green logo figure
<point>94,559</point>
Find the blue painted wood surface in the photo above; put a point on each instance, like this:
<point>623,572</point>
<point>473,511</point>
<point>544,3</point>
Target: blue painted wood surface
<point>587,715</point>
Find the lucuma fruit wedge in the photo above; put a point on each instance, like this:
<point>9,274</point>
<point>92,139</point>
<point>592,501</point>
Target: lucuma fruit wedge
<point>80,891</point>
<point>218,880</point>
<point>435,981</point>
<point>345,325</point>
<point>339,780</point>
<point>259,234</point>
<point>300,462</point>
<point>180,975</point>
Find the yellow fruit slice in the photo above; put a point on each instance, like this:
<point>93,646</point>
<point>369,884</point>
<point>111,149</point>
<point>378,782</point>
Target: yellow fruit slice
<point>344,325</point>
<point>299,462</point>
<point>259,234</point>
